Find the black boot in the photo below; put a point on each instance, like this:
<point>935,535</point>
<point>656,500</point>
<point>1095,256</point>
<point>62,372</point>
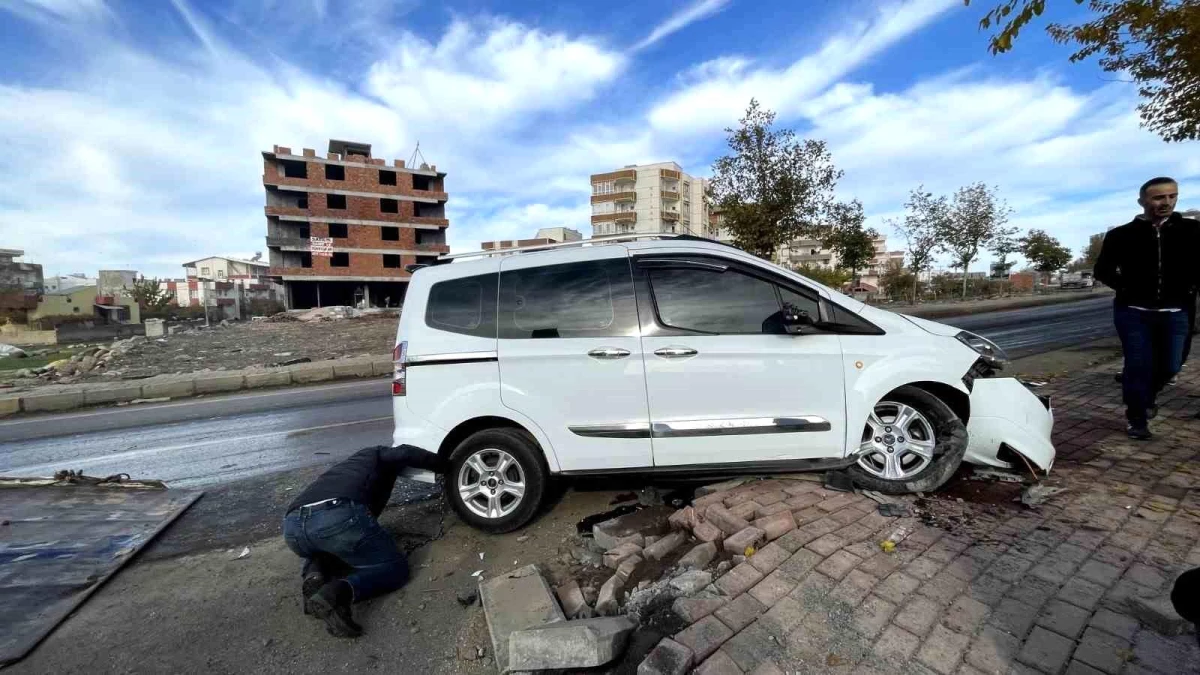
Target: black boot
<point>313,581</point>
<point>1139,432</point>
<point>331,604</point>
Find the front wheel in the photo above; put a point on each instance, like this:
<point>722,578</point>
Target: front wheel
<point>496,479</point>
<point>912,442</point>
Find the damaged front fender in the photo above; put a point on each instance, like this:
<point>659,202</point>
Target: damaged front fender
<point>1006,414</point>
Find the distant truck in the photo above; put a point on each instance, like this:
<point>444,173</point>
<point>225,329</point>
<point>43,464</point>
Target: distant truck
<point>1077,280</point>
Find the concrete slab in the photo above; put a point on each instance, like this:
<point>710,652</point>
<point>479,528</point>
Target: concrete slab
<point>516,601</point>
<point>10,405</point>
<point>268,378</point>
<point>170,387</point>
<point>209,383</point>
<point>311,372</point>
<point>383,366</point>
<point>632,527</point>
<point>352,368</point>
<point>585,643</point>
<point>64,400</point>
<point>111,394</point>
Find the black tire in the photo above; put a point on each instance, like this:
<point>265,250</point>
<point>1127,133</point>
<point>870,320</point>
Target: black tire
<point>950,444</point>
<point>519,445</point>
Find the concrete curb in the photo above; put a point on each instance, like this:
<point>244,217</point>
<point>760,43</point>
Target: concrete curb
<point>69,397</point>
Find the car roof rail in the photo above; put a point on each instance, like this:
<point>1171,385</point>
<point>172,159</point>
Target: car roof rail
<point>607,239</point>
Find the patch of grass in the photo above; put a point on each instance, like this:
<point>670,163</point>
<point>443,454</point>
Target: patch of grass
<point>10,363</point>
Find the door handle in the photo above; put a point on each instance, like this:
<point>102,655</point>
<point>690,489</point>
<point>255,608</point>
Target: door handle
<point>608,353</point>
<point>675,352</point>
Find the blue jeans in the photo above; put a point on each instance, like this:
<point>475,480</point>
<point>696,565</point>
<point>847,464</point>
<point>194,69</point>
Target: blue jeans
<point>345,540</point>
<point>1153,344</point>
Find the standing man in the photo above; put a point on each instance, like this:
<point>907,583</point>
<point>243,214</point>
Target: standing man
<point>332,525</point>
<point>1150,263</point>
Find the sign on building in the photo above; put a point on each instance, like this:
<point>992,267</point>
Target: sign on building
<point>321,246</point>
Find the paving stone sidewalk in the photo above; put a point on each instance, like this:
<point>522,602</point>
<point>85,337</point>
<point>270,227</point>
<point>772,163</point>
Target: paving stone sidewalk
<point>1022,590</point>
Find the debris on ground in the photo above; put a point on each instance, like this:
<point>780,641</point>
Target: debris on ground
<point>895,509</point>
<point>11,351</point>
<point>1035,495</point>
<point>333,313</point>
<point>581,643</point>
<point>516,601</point>
<point>993,473</point>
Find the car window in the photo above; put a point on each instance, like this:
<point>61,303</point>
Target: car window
<point>801,302</point>
<point>585,299</point>
<point>712,301</point>
<point>466,306</point>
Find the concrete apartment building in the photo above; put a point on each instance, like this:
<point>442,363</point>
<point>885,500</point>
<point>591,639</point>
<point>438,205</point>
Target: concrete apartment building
<point>225,283</point>
<point>63,282</point>
<point>20,282</point>
<point>810,252</point>
<point>651,198</point>
<point>546,235</point>
<point>342,228</point>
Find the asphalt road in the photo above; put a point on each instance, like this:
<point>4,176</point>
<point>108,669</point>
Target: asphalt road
<point>211,441</point>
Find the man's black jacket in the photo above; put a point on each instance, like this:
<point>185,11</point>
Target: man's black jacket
<point>1151,267</point>
<point>366,477</point>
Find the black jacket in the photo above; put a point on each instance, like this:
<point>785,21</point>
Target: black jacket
<point>366,477</point>
<point>1151,267</point>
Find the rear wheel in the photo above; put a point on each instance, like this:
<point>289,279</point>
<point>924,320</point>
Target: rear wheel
<point>912,442</point>
<point>496,479</point>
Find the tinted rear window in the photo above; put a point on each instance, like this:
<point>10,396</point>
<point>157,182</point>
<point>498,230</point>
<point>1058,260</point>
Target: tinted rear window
<point>466,306</point>
<point>585,299</point>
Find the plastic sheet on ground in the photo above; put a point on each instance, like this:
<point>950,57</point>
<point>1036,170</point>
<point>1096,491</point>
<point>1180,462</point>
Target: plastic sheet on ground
<point>59,543</point>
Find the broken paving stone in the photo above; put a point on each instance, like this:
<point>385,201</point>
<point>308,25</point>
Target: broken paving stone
<point>1035,495</point>
<point>608,602</point>
<point>895,509</point>
<point>632,527</point>
<point>663,547</point>
<point>745,510</point>
<point>515,601</point>
<point>725,520</point>
<point>683,519</point>
<point>699,556</point>
<point>585,643</point>
<point>628,567</point>
<point>775,526</point>
<point>749,537</point>
<point>570,597</point>
<point>1159,614</point>
<point>691,582</point>
<point>618,555</point>
<point>724,565</point>
<point>667,658</point>
<point>706,531</point>
<point>650,539</point>
<point>724,486</point>
<point>467,597</point>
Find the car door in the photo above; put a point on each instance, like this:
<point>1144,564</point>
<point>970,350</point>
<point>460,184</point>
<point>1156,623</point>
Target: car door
<point>570,357</point>
<point>725,383</point>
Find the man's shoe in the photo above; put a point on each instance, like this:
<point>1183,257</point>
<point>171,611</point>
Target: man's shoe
<point>331,604</point>
<point>311,584</point>
<point>1119,376</point>
<point>1151,412</point>
<point>1173,381</point>
<point>1139,432</point>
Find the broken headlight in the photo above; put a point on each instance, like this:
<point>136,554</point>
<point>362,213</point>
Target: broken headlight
<point>989,351</point>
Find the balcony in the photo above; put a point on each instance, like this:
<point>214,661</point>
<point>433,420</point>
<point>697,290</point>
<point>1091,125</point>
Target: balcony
<point>623,174</point>
<point>670,174</point>
<point>624,196</point>
<point>617,217</point>
<point>670,195</point>
<point>287,242</point>
<point>670,216</point>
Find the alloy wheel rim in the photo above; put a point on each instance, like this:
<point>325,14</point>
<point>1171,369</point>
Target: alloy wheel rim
<point>897,442</point>
<point>491,483</point>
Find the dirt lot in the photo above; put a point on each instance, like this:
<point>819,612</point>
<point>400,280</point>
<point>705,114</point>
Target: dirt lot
<point>239,345</point>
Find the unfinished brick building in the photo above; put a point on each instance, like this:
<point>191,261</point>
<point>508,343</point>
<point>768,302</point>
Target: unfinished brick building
<point>374,218</point>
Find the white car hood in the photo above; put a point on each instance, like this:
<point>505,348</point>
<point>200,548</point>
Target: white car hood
<point>933,326</point>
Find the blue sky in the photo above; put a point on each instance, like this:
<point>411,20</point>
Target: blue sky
<point>132,130</point>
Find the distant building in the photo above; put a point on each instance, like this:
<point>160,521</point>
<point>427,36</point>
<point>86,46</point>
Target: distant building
<point>341,229</point>
<point>812,253</point>
<point>20,282</point>
<point>544,236</point>
<point>650,198</point>
<point>228,284</point>
<point>63,282</point>
<point>113,305</point>
<point>716,227</point>
<point>114,299</point>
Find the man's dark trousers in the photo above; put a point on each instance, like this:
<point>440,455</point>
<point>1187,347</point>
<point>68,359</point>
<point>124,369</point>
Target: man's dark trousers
<point>1153,344</point>
<point>1187,344</point>
<point>342,539</point>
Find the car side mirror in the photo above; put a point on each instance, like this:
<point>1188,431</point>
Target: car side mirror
<point>795,321</point>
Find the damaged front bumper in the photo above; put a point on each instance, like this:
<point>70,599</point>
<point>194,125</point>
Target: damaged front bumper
<point>1007,418</point>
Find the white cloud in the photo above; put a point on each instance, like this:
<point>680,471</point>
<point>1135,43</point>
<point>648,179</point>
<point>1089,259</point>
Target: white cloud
<point>696,11</point>
<point>715,93</point>
<point>486,73</point>
<point>57,11</point>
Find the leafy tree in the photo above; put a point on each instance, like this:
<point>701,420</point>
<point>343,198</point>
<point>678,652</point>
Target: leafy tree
<point>896,280</point>
<point>1004,245</point>
<point>1156,43</point>
<point>773,188</point>
<point>150,295</point>
<point>977,216</point>
<point>1046,253</point>
<point>832,278</point>
<point>927,215</point>
<point>853,244</point>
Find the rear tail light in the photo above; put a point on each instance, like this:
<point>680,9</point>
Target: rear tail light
<point>399,378</point>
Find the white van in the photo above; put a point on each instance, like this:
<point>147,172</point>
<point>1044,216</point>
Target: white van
<point>684,356</point>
